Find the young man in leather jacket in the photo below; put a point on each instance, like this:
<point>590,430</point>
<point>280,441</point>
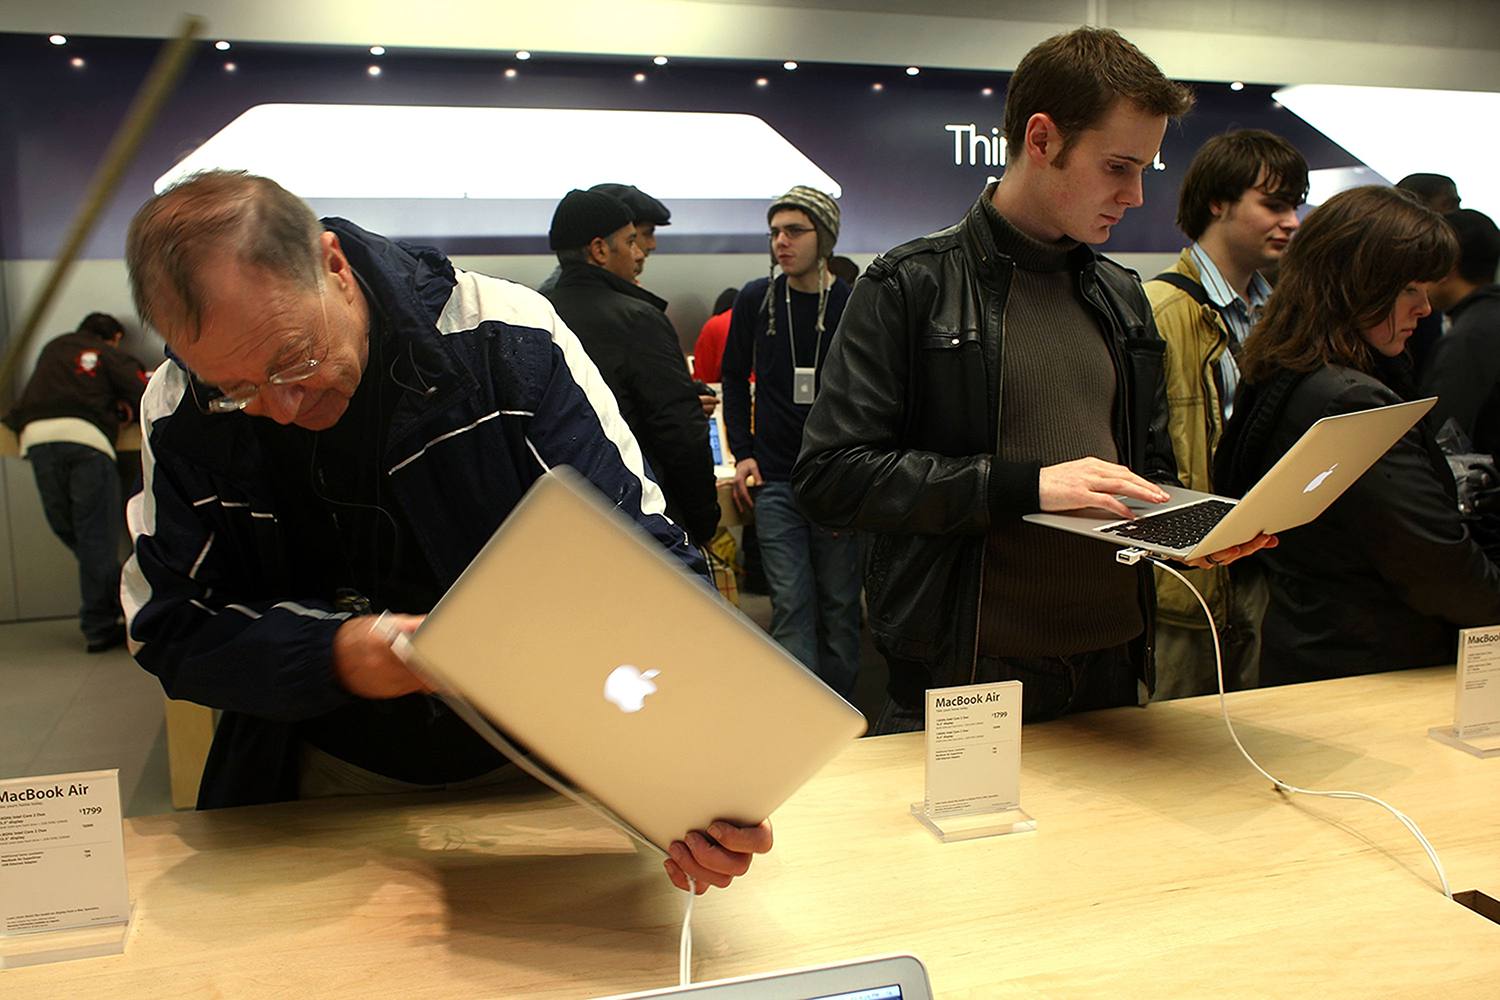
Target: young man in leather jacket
<point>1001,367</point>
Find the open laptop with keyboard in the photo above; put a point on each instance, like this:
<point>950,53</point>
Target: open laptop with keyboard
<point>1325,461</point>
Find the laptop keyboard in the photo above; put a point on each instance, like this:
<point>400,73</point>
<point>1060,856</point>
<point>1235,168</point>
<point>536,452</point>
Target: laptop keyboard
<point>1175,529</point>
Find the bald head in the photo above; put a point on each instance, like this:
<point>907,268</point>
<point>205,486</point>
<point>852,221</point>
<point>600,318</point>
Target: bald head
<point>206,218</point>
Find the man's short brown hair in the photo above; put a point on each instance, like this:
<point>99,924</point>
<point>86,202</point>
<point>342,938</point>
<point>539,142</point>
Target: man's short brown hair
<point>1228,165</point>
<point>217,212</point>
<point>1075,78</point>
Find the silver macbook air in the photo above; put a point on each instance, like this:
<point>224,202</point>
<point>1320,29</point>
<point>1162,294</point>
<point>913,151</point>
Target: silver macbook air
<point>892,977</point>
<point>1325,461</point>
<point>583,640</point>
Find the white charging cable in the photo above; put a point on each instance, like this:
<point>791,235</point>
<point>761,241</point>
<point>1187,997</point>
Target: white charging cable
<point>1283,786</point>
<point>402,647</point>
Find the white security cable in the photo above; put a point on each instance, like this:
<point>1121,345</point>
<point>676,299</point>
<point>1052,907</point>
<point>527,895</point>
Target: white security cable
<point>1283,786</point>
<point>685,946</point>
<point>402,647</point>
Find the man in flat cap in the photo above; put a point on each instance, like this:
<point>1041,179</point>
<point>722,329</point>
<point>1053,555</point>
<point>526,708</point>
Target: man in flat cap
<point>645,211</point>
<point>625,330</point>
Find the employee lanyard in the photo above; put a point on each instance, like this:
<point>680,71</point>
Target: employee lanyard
<point>791,333</point>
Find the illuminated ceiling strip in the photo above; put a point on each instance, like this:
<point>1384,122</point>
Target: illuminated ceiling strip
<point>1398,131</point>
<point>384,151</point>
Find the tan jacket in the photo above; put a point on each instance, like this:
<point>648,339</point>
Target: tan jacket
<point>1196,338</point>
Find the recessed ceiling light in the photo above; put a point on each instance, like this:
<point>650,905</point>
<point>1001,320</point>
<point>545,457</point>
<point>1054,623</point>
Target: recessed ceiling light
<point>58,39</point>
<point>660,60</point>
<point>789,64</point>
<point>377,50</point>
<point>523,55</point>
<point>221,45</point>
<point>912,71</point>
<point>988,91</point>
<point>1237,85</point>
<point>877,87</point>
<point>76,62</point>
<point>510,74</point>
<point>640,78</point>
<point>373,71</point>
<point>761,81</point>
<point>230,67</point>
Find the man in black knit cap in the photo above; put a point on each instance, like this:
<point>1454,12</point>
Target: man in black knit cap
<point>624,329</point>
<point>998,368</point>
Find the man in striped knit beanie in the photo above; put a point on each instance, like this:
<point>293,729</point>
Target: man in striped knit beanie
<point>780,329</point>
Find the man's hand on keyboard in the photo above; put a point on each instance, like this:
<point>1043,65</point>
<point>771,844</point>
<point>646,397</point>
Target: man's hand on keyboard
<point>1093,482</point>
<point>1226,556</point>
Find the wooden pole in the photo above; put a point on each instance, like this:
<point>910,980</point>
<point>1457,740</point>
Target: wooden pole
<point>158,86</point>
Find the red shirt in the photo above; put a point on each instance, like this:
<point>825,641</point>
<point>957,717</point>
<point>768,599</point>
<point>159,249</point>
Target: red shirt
<point>708,352</point>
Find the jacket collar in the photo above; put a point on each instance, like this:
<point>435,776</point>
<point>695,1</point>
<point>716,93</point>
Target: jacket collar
<point>576,274</point>
<point>978,237</point>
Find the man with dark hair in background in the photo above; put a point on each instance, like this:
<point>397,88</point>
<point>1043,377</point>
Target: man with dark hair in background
<point>68,417</point>
<point>624,329</point>
<point>998,368</point>
<point>1238,205</point>
<point>1439,193</point>
<point>1464,369</point>
<point>780,330</point>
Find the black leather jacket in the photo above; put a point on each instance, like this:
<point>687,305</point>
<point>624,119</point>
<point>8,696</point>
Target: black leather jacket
<point>902,440</point>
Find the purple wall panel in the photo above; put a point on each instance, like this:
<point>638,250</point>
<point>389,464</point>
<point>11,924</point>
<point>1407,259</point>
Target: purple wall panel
<point>887,148</point>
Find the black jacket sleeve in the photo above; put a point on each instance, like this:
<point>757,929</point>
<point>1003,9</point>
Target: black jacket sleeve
<point>673,430</point>
<point>854,470</point>
<point>1413,532</point>
<point>734,374</point>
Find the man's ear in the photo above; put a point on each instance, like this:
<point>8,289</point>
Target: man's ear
<point>1044,139</point>
<point>335,265</point>
<point>598,249</point>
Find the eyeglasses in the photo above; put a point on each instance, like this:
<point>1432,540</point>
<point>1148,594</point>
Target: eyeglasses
<point>791,232</point>
<point>212,399</point>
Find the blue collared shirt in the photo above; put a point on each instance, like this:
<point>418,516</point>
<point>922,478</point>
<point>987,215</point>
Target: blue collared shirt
<point>1238,315</point>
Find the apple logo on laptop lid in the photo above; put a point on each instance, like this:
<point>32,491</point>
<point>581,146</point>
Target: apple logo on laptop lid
<point>627,687</point>
<point>1318,479</point>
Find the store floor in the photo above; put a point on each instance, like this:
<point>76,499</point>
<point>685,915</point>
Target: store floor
<point>65,710</point>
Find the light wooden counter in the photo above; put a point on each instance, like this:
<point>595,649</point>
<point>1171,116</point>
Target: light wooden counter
<point>1163,866</point>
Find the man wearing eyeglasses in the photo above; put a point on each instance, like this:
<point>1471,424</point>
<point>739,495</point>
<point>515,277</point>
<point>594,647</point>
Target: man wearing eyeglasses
<point>346,421</point>
<point>780,329</point>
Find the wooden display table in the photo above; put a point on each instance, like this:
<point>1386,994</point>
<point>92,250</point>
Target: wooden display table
<point>1163,866</point>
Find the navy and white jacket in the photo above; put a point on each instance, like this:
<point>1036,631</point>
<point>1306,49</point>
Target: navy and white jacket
<point>211,592</point>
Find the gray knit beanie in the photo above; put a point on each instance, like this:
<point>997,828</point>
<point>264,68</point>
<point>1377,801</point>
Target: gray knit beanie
<point>824,213</point>
<point>820,208</point>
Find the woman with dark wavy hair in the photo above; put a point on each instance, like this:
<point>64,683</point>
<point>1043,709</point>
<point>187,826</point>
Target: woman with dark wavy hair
<point>1384,578</point>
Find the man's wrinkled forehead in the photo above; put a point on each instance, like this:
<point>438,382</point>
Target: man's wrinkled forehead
<point>247,317</point>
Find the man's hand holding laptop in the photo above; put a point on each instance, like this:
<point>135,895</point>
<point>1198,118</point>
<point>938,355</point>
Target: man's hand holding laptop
<point>1095,483</point>
<point>366,664</point>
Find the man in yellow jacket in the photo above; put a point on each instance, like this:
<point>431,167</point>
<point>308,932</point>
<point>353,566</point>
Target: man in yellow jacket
<point>1238,205</point>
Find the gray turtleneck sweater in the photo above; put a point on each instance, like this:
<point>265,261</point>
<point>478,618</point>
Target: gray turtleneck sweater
<point>1046,592</point>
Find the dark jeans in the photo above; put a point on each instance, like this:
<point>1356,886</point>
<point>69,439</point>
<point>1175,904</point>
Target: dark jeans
<point>1050,686</point>
<point>815,582</point>
<point>80,490</point>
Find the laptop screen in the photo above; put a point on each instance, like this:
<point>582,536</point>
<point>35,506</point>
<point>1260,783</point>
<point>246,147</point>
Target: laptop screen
<point>879,993</point>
